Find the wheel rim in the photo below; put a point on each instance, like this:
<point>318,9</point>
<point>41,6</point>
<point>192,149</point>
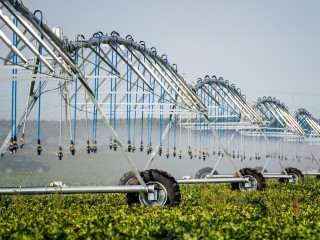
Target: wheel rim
<point>249,186</point>
<point>204,175</point>
<point>294,178</point>
<point>129,181</point>
<point>160,195</point>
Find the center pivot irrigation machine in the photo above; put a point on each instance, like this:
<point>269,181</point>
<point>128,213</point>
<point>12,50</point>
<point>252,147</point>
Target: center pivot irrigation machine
<point>263,133</point>
<point>117,79</point>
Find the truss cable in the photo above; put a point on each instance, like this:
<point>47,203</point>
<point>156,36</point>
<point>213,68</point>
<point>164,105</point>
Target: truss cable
<point>22,140</point>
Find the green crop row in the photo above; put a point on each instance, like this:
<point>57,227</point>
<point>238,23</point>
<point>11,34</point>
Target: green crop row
<point>207,211</point>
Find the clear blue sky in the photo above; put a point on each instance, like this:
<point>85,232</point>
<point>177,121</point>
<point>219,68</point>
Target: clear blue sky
<point>264,47</point>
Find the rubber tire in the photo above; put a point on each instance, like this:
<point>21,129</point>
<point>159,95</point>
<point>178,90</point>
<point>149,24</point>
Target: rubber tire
<point>318,176</point>
<point>205,170</point>
<point>261,181</point>
<point>129,178</point>
<point>155,175</point>
<point>259,169</point>
<point>292,170</point>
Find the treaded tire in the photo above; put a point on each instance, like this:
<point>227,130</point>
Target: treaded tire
<point>259,178</point>
<point>129,178</point>
<point>259,169</point>
<point>165,179</point>
<point>318,176</point>
<point>292,170</point>
<point>203,172</point>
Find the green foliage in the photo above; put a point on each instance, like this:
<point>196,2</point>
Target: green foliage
<point>209,211</point>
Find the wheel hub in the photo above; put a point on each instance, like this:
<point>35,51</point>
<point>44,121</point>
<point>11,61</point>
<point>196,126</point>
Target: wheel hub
<point>249,185</point>
<point>157,198</point>
<point>294,178</point>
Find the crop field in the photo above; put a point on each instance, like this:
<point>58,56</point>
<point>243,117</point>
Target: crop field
<point>207,211</point>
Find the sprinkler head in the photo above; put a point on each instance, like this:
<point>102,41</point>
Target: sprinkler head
<point>129,146</point>
<point>60,153</point>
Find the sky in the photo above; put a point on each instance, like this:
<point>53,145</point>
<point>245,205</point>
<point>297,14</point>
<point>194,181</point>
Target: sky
<point>266,48</point>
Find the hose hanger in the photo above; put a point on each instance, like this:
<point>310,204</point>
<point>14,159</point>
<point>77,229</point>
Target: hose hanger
<point>142,115</point>
<point>150,117</point>
<point>96,93</point>
<point>73,140</point>
<point>161,119</point>
<point>60,152</point>
<point>135,113</point>
<point>111,105</point>
<point>13,147</point>
<point>128,98</point>
<point>113,95</point>
<point>39,70</point>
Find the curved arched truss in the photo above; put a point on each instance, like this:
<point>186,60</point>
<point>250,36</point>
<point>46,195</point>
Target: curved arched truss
<point>308,123</point>
<point>226,103</point>
<point>280,123</point>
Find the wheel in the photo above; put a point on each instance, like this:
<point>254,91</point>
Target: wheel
<point>295,173</point>
<point>256,180</point>
<point>127,179</point>
<point>259,169</point>
<point>167,190</point>
<point>203,172</point>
